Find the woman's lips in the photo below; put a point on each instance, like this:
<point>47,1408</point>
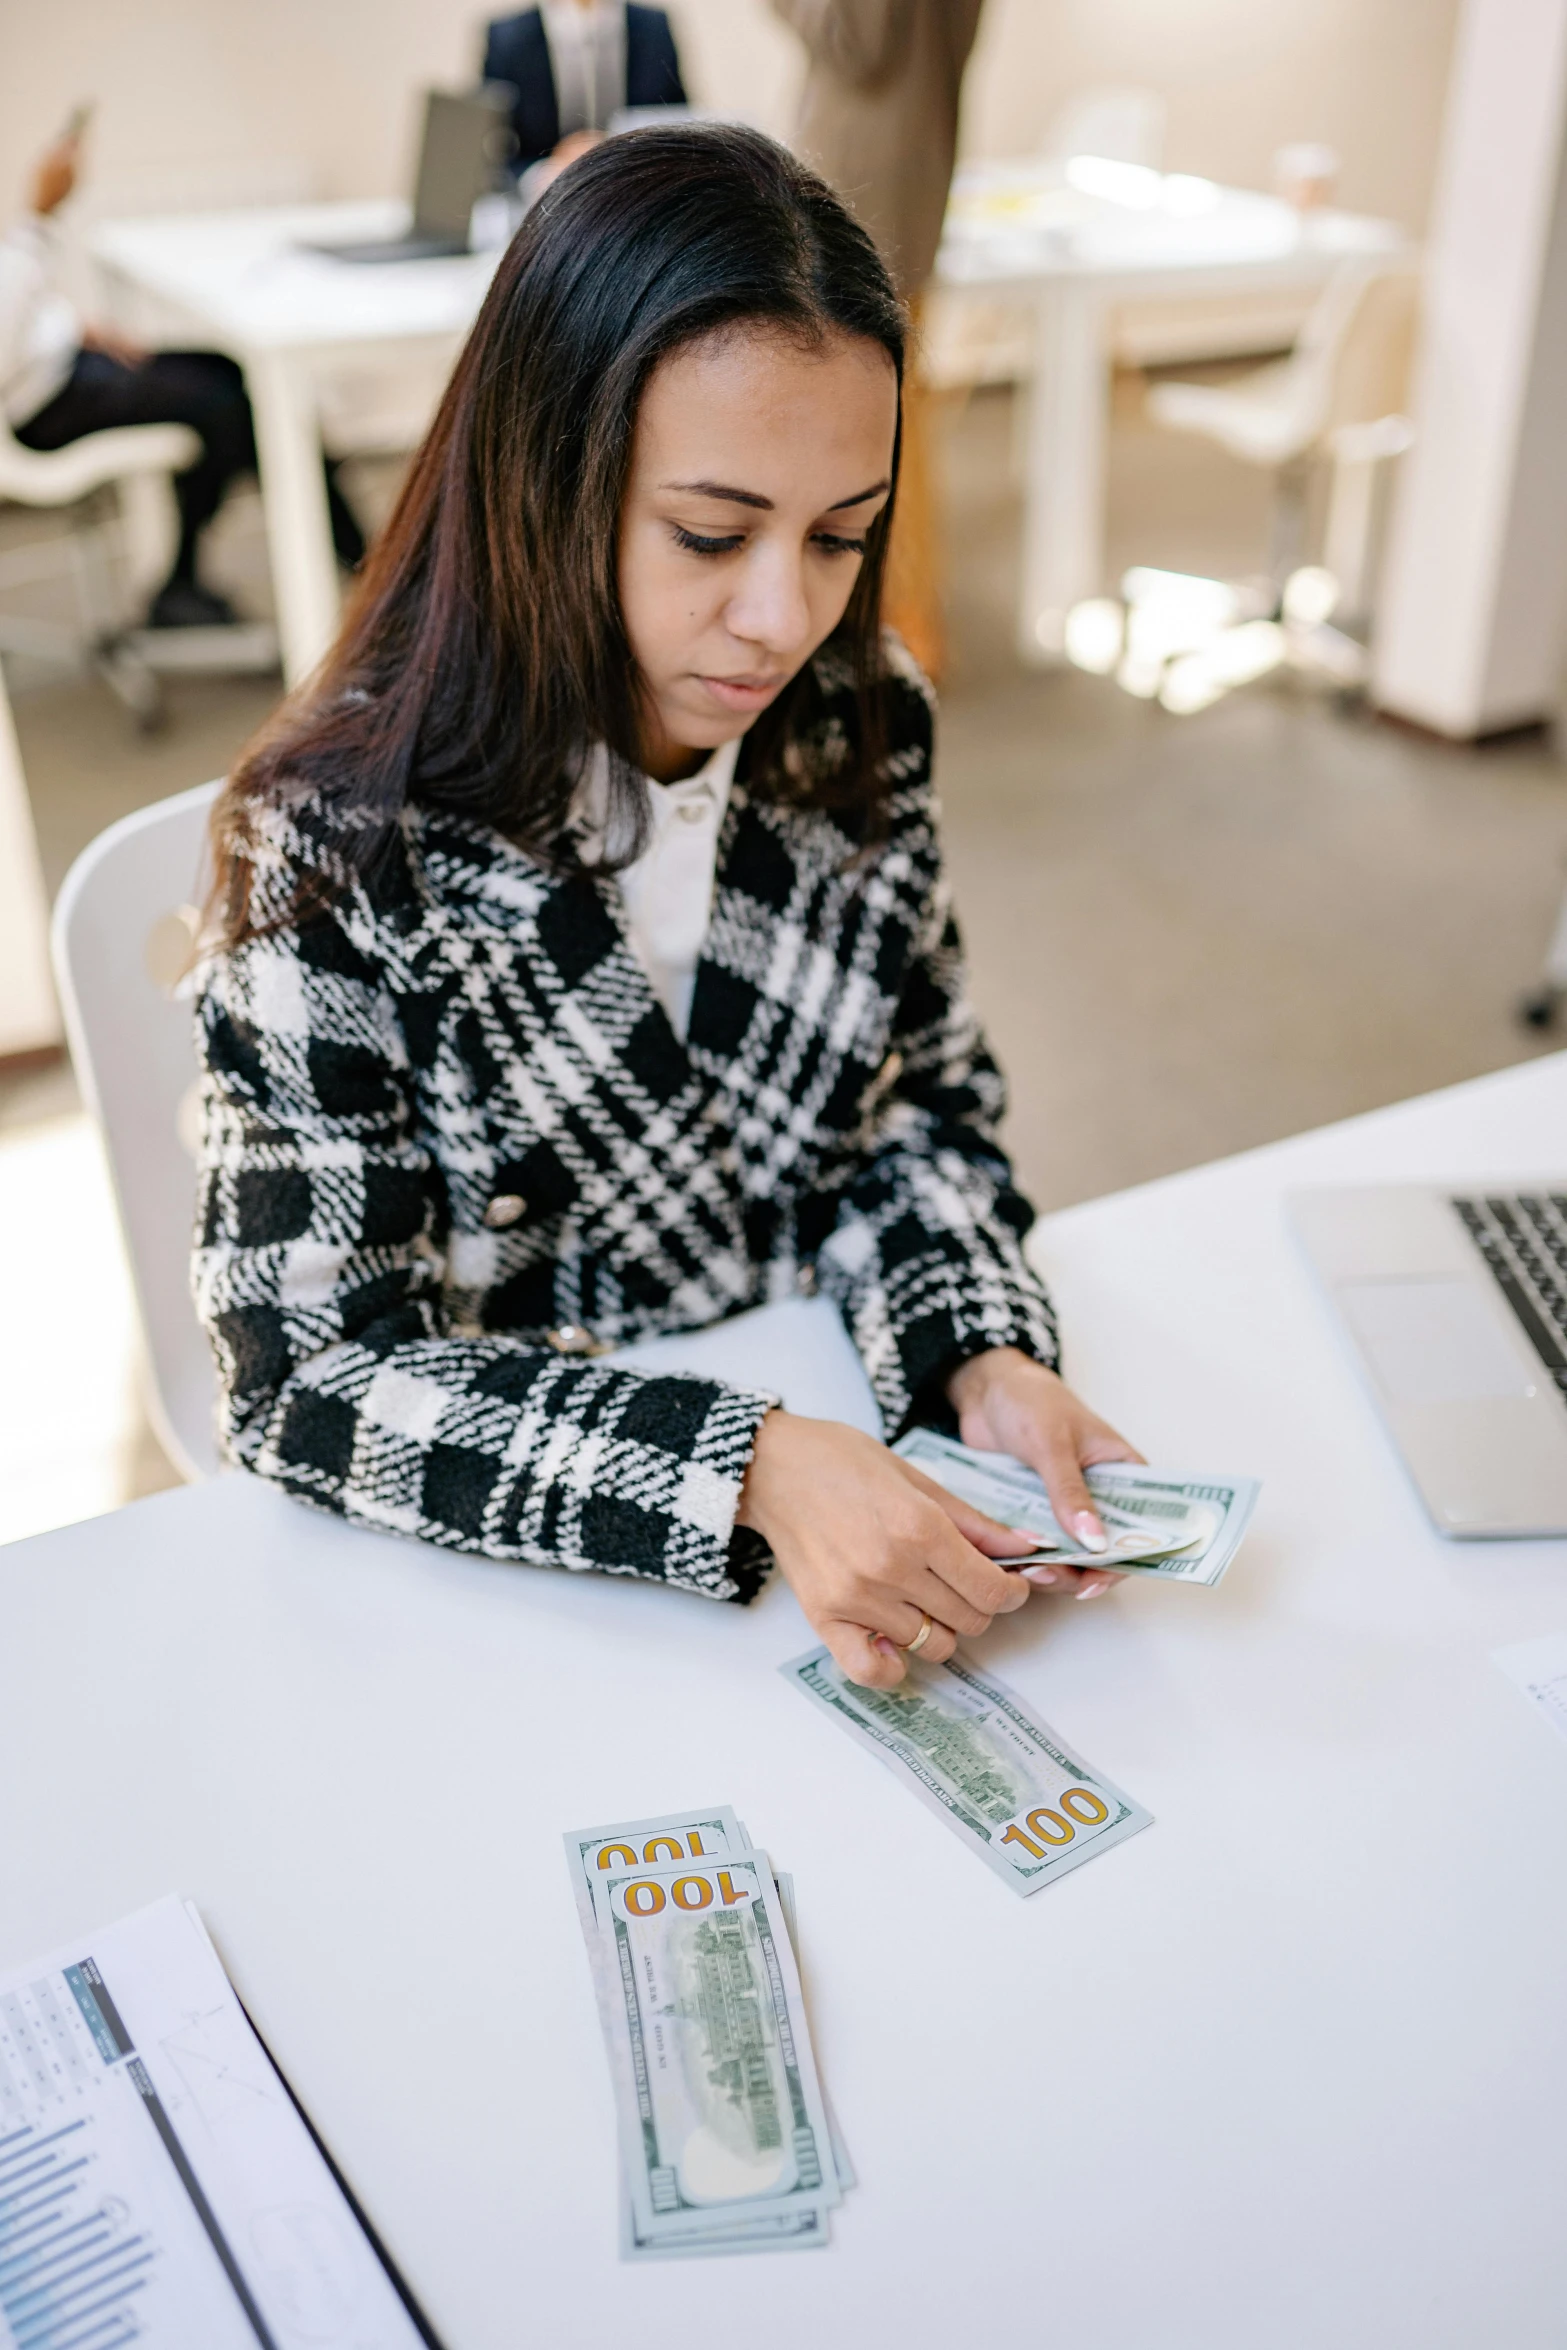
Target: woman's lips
<point>742,693</point>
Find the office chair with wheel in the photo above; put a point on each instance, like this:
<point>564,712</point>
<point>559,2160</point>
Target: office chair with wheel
<point>91,479</point>
<point>1348,367</point>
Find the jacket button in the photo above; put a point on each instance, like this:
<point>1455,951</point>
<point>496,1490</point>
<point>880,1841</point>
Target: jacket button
<point>572,1339</point>
<point>507,1207</point>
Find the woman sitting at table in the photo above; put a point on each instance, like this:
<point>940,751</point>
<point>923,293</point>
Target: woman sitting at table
<point>583,967</point>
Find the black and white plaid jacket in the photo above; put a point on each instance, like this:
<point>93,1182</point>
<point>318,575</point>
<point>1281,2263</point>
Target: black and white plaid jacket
<point>453,1148</point>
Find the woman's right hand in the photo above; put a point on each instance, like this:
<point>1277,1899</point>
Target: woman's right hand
<point>869,1546</point>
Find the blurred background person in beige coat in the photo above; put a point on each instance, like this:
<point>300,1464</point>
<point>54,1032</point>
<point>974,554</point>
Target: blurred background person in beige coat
<point>879,120</point>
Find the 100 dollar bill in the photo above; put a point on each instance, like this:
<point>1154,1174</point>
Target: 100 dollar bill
<point>721,2111</point>
<point>1185,1529</point>
<point>710,1833</point>
<point>967,1746</point>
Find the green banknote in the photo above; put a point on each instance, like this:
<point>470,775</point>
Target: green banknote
<point>1183,1529</point>
<point>721,2112</point>
<point>967,1746</point>
<point>708,1833</point>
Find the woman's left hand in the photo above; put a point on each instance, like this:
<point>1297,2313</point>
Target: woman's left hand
<point>1006,1402</point>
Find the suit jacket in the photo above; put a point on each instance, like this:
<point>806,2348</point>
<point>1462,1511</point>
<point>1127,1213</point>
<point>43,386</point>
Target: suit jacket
<point>879,113</point>
<point>516,51</point>
<point>452,1144</point>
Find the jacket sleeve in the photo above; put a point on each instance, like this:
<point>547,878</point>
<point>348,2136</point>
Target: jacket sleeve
<point>318,1274</point>
<point>925,1260</point>
<point>860,42</point>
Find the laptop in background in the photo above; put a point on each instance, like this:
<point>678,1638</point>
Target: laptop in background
<point>466,141</point>
<point>1455,1300</point>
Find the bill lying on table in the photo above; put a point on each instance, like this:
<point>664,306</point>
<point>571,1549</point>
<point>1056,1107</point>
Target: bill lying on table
<point>727,2143</point>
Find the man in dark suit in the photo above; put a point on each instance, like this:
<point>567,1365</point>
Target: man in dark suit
<point>574,63</point>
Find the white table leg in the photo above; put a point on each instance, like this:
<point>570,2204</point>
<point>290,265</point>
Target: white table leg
<point>1068,441</point>
<point>293,497</point>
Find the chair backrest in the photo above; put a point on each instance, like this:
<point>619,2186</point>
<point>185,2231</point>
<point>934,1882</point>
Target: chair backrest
<point>1372,365</point>
<point>1311,386</point>
<point>58,477</point>
<point>119,925</point>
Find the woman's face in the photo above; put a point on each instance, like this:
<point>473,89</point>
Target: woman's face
<point>756,469</point>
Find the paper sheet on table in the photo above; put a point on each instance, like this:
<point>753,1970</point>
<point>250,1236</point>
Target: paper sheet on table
<point>157,2184</point>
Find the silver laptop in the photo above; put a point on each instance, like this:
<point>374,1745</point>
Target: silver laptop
<point>1455,1301</point>
<point>466,141</point>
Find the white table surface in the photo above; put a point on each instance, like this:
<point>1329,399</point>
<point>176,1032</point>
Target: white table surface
<point>1284,2072</point>
<point>248,273</point>
<point>1013,224</point>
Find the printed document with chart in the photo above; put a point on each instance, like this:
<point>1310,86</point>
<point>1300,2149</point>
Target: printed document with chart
<point>157,2184</point>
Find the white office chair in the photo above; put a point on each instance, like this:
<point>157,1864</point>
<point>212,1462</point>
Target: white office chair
<point>123,928</point>
<point>91,478</point>
<point>1283,416</point>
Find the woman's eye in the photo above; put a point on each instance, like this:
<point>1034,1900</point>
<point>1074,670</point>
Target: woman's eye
<point>694,544</point>
<point>831,544</point>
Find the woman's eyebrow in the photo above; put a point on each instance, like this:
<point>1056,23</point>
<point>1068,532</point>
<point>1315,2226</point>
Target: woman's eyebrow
<point>733,497</point>
<point>874,491</point>
<point>716,489</point>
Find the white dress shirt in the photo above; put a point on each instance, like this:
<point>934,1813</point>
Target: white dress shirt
<point>40,333</point>
<point>668,890</point>
<point>587,49</point>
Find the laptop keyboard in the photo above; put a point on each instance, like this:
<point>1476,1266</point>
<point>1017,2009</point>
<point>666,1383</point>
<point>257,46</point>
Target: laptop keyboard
<point>1524,1243</point>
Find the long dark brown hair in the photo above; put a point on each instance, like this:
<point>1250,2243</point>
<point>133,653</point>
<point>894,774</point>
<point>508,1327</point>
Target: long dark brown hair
<point>484,648</point>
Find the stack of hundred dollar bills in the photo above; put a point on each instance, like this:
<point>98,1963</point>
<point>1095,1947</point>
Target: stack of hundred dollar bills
<point>1183,1529</point>
<point>726,2140</point>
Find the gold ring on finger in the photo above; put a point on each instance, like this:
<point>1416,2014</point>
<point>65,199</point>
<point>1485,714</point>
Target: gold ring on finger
<point>913,1647</point>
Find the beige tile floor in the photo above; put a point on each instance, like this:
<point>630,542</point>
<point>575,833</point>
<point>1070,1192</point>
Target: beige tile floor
<point>1187,935</point>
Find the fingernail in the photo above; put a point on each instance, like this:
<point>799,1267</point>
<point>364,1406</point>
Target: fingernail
<point>1043,1576</point>
<point>887,1647</point>
<point>1089,1532</point>
<point>1092,1588</point>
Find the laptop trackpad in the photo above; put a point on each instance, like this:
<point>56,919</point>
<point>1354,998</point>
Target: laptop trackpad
<point>1433,1341</point>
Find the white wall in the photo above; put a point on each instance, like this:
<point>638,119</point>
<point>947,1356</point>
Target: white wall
<point>1474,593</point>
<point>206,101</point>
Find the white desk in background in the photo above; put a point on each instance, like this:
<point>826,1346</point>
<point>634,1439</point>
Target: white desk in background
<point>1016,228</point>
<point>241,282</point>
<point>1285,2072</point>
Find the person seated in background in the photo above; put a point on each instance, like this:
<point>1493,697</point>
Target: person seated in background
<point>573,64</point>
<point>61,379</point>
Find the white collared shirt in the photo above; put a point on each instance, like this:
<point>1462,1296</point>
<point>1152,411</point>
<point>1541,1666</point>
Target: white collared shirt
<point>668,890</point>
<point>40,333</point>
<point>587,49</point>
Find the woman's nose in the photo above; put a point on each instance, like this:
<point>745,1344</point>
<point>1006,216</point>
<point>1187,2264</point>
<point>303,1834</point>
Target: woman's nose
<point>771,607</point>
